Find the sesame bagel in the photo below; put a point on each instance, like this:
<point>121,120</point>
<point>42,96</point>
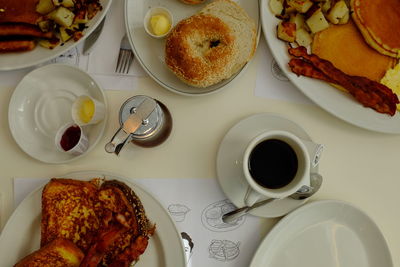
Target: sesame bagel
<point>200,50</point>
<point>212,45</point>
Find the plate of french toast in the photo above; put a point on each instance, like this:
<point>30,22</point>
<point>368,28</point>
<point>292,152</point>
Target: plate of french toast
<point>91,219</point>
<point>193,47</point>
<point>341,54</point>
<point>36,31</point>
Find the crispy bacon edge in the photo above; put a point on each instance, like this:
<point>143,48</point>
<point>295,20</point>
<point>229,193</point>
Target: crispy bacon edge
<point>369,93</point>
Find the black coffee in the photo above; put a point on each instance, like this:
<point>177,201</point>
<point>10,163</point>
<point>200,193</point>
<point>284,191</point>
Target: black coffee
<point>273,164</point>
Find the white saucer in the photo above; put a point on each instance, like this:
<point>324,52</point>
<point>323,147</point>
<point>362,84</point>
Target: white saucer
<point>229,161</point>
<point>41,104</point>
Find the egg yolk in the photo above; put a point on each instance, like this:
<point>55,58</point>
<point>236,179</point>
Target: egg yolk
<point>160,24</point>
<point>86,110</point>
<point>392,80</point>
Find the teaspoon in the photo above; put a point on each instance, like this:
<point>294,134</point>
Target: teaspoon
<point>303,193</point>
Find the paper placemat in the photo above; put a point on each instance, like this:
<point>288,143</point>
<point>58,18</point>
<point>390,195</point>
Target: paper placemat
<point>271,81</point>
<point>196,206</point>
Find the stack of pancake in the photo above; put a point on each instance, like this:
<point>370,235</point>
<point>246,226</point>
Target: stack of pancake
<point>379,23</point>
<point>369,44</point>
<point>18,28</point>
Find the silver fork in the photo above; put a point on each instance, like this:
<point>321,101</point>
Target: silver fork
<point>125,56</point>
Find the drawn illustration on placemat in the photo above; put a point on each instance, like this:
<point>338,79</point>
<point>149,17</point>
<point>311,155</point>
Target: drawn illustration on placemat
<point>178,212</point>
<point>224,250</point>
<point>71,57</point>
<point>188,245</point>
<point>211,217</point>
<point>277,71</point>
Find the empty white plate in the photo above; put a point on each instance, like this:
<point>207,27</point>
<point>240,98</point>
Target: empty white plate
<point>326,233</point>
<point>42,103</point>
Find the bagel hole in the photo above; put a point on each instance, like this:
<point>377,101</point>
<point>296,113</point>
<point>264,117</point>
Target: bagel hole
<point>214,43</point>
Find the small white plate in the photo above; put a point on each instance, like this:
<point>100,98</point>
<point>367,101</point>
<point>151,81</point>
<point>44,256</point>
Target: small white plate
<point>13,61</point>
<point>150,52</point>
<point>230,159</point>
<point>42,103</point>
<point>21,234</point>
<point>326,233</point>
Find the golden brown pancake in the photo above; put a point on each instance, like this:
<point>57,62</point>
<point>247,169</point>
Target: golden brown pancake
<point>19,11</point>
<point>344,46</point>
<point>379,23</point>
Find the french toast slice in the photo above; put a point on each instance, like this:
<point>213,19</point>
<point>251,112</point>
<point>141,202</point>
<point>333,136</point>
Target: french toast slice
<point>131,242</point>
<point>69,211</point>
<point>104,219</point>
<point>58,253</point>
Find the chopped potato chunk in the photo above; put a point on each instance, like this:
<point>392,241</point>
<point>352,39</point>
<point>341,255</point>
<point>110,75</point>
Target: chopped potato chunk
<point>65,34</point>
<point>67,3</point>
<point>345,19</point>
<point>45,6</point>
<point>317,22</point>
<point>297,19</point>
<point>62,16</point>
<point>303,38</point>
<point>276,6</point>
<point>300,5</point>
<point>338,11</point>
<point>48,44</point>
<point>287,31</point>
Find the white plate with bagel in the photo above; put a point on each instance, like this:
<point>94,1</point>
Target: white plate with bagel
<point>217,55</point>
<point>332,100</point>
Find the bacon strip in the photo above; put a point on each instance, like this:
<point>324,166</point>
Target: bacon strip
<point>16,45</point>
<point>21,29</point>
<point>132,253</point>
<point>369,93</point>
<point>100,247</point>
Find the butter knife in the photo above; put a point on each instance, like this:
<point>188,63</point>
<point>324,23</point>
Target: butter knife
<point>92,38</point>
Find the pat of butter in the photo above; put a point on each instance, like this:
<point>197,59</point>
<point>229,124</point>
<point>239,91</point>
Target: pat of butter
<point>160,24</point>
<point>86,110</point>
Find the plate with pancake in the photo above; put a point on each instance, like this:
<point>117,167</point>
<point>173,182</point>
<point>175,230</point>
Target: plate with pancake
<point>154,57</point>
<point>27,17</point>
<point>338,44</point>
<point>22,233</point>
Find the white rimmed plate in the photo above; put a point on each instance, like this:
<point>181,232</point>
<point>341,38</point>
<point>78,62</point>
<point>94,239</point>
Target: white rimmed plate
<point>42,103</point>
<point>21,234</point>
<point>150,51</point>
<point>13,61</point>
<point>326,233</point>
<point>230,161</point>
<point>334,101</point>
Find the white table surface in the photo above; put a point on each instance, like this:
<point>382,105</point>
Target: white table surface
<point>358,166</point>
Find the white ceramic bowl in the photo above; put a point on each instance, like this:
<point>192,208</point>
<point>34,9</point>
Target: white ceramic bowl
<point>157,11</point>
<point>79,148</point>
<point>98,115</point>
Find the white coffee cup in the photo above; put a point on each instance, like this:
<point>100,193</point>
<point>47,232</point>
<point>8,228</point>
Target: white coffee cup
<point>306,152</point>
